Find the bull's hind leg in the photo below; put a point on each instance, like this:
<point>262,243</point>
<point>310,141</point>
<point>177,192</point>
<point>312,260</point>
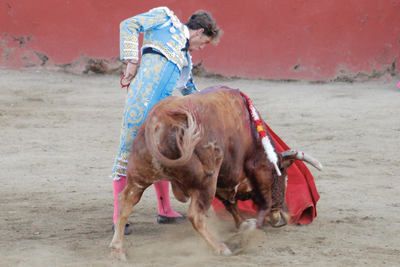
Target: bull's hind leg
<point>200,203</point>
<point>129,197</point>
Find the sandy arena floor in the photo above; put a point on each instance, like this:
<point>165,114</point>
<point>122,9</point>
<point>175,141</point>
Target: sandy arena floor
<point>59,133</point>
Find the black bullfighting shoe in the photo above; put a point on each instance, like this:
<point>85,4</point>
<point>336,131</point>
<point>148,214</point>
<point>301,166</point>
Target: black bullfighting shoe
<point>127,230</point>
<point>161,219</point>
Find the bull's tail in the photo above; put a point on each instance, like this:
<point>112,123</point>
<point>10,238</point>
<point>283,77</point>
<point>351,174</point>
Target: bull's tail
<point>291,155</point>
<point>187,135</point>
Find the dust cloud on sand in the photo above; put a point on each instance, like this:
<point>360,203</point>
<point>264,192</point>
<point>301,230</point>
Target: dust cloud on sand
<point>59,134</point>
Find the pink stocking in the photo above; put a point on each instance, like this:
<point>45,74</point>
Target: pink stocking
<point>163,202</point>
<point>118,186</point>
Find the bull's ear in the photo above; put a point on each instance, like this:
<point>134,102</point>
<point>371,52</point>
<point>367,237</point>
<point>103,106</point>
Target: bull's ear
<point>286,159</point>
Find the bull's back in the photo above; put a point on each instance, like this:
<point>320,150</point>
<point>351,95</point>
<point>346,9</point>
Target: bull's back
<point>221,110</point>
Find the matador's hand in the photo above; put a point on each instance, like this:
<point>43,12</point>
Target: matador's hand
<point>130,73</point>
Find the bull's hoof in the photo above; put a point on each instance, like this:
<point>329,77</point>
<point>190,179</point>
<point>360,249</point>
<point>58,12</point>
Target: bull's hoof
<point>248,225</point>
<point>115,245</point>
<point>278,219</point>
<point>224,250</point>
<point>118,254</point>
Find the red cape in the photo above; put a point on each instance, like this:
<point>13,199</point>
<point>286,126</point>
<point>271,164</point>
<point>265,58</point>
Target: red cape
<point>301,192</point>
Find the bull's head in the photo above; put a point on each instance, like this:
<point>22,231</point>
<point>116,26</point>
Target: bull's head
<point>278,216</point>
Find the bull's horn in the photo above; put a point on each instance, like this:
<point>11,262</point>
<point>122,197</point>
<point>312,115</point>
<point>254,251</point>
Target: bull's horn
<point>307,158</point>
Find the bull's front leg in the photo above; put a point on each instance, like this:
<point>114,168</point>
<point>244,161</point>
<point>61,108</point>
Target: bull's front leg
<point>234,211</point>
<point>265,197</point>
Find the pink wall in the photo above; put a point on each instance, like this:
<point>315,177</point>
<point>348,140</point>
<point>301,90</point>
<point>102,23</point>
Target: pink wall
<point>291,39</point>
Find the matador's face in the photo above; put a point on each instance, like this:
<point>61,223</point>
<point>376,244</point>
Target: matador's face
<point>198,41</point>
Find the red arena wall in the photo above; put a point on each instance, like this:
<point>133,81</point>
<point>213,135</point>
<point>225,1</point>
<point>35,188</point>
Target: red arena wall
<point>291,39</point>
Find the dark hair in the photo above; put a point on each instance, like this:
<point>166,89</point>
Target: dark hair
<point>203,20</point>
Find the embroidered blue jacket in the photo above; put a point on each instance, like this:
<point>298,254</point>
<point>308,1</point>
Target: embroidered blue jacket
<point>164,32</point>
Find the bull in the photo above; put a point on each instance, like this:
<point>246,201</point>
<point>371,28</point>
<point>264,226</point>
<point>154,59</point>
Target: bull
<point>206,145</point>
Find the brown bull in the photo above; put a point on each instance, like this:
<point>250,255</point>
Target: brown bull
<point>205,145</point>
